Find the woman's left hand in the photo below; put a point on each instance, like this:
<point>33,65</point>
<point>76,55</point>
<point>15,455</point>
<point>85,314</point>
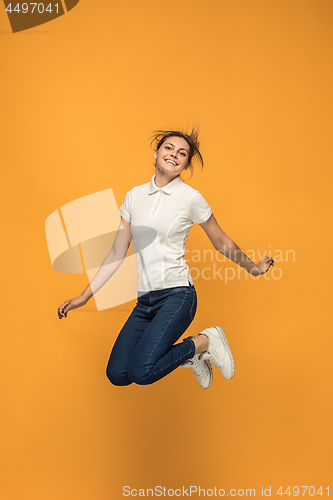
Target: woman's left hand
<point>263,265</point>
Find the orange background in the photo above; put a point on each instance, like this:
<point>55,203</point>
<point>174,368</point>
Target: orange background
<point>79,99</point>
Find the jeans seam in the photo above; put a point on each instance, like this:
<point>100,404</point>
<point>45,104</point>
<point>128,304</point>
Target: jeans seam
<point>152,352</point>
<point>192,306</point>
<point>190,356</point>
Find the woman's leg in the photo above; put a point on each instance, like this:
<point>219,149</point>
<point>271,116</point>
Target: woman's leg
<point>154,356</point>
<point>127,340</point>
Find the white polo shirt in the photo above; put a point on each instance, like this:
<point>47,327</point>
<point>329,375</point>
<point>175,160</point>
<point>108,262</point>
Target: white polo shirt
<point>161,219</point>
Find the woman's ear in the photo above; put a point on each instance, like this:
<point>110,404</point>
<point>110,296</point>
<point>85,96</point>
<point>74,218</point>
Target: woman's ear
<point>155,153</point>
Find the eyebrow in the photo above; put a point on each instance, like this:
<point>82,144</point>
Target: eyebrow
<point>174,146</point>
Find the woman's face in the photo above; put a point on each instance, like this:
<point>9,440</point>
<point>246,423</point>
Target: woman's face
<point>172,156</point>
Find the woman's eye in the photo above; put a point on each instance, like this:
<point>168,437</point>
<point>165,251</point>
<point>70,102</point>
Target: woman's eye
<point>167,147</point>
<point>184,154</point>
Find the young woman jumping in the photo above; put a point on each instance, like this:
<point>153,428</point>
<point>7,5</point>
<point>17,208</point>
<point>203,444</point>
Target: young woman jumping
<point>158,215</point>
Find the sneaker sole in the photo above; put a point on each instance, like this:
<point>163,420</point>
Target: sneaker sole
<point>210,375</point>
<point>226,345</point>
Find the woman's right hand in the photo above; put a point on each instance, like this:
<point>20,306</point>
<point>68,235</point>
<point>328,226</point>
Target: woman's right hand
<point>263,265</point>
<point>71,304</point>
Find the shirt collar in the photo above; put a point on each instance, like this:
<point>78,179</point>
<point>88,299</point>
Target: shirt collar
<point>166,189</point>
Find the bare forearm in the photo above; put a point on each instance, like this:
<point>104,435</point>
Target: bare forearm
<point>225,245</point>
<point>236,254</point>
<point>107,269</point>
<point>112,261</point>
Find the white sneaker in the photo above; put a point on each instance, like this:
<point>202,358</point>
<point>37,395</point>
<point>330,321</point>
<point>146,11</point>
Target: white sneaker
<point>219,352</point>
<point>201,368</point>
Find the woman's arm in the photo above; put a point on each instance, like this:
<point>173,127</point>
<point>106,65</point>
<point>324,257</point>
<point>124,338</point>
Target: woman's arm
<point>112,261</point>
<point>225,245</point>
<point>109,266</point>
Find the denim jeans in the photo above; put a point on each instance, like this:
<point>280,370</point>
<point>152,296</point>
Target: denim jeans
<point>144,350</point>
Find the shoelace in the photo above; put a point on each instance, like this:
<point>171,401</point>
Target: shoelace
<point>195,368</point>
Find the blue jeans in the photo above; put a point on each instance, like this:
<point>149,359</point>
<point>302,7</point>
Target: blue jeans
<point>144,351</point>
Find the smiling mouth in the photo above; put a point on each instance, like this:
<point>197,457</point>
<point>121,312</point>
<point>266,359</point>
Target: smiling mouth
<point>171,162</point>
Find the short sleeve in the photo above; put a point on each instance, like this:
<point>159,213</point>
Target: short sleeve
<point>126,210</point>
<point>200,211</point>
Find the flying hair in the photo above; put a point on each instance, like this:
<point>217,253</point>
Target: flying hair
<point>160,136</point>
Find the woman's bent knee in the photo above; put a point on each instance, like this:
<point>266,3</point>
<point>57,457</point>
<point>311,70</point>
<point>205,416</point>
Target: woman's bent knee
<point>115,377</point>
<point>139,375</point>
